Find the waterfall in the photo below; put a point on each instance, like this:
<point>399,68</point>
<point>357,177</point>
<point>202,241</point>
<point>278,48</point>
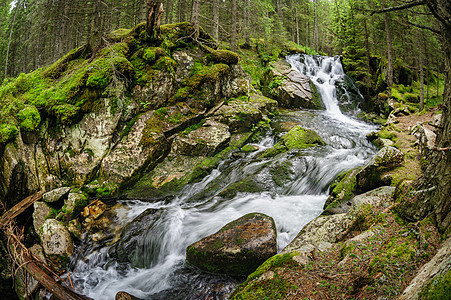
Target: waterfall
<point>325,72</point>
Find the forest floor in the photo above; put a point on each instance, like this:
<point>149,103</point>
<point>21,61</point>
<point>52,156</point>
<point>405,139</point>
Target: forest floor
<point>376,260</point>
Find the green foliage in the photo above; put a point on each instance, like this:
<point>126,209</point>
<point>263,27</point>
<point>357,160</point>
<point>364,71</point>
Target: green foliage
<point>438,289</point>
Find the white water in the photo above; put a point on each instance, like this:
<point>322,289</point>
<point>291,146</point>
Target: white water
<point>196,213</point>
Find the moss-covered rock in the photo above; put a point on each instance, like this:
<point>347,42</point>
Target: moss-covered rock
<point>296,138</point>
<point>238,248</point>
<point>57,243</point>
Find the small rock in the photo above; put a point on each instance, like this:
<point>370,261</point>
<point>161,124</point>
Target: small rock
<point>302,259</point>
<point>56,194</point>
<point>249,148</point>
<point>94,210</point>
<point>125,296</point>
<point>74,227</point>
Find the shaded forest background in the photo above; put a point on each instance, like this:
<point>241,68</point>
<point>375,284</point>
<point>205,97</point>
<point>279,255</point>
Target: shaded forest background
<point>35,33</point>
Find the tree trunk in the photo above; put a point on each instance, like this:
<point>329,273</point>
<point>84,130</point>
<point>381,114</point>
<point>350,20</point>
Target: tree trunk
<point>435,184</point>
<point>195,13</point>
<point>233,37</point>
<point>420,66</point>
<point>10,37</point>
<point>154,14</point>
<point>389,51</point>
<point>315,30</point>
<point>297,27</point>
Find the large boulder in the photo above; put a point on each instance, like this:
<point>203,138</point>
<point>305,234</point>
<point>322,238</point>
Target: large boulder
<point>238,248</point>
<point>369,177</point>
<point>322,232</point>
<point>291,88</point>
<point>296,138</point>
<point>57,243</point>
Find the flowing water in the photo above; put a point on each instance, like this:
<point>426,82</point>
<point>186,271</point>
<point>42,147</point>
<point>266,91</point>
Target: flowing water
<point>149,261</point>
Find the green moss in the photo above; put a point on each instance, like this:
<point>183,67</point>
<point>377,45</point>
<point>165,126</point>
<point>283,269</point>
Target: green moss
<point>166,63</point>
<point>29,118</point>
<point>386,134</point>
<point>249,148</point>
<point>119,34</point>
<point>342,189</point>
<point>206,74</point>
<point>247,185</point>
<point>151,54</point>
<point>223,56</point>
<point>296,138</point>
<point>275,288</point>
<point>8,133</point>
<point>410,97</point>
<point>438,289</point>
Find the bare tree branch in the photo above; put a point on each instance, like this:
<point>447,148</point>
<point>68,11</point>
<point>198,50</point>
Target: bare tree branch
<point>399,7</point>
<point>424,27</point>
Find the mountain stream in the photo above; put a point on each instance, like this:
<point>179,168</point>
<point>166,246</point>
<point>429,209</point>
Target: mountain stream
<point>162,230</point>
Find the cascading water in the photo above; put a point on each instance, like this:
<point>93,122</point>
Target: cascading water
<point>149,260</point>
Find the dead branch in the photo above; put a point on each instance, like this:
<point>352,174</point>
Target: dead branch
<point>399,7</point>
<point>424,27</point>
<point>19,208</point>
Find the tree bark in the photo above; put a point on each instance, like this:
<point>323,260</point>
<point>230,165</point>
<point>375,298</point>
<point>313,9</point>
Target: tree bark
<point>420,66</point>
<point>10,37</point>
<point>389,51</point>
<point>195,13</point>
<point>233,37</point>
<point>154,14</point>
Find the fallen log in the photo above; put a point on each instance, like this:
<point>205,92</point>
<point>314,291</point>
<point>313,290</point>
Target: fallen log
<point>25,260</point>
<point>19,208</point>
<point>23,257</point>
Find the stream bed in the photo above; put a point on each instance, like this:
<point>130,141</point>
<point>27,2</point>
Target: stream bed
<point>161,231</point>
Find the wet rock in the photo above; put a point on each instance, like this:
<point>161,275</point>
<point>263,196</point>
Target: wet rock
<point>57,243</point>
<point>291,88</point>
<point>41,212</point>
<point>56,194</point>
<point>207,140</point>
<point>238,248</point>
<point>250,148</point>
<point>385,159</point>
<point>94,210</point>
<point>296,138</point>
<point>25,284</point>
<point>139,242</point>
<point>125,296</point>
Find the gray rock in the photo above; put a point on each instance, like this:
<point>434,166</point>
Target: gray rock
<point>129,156</point>
<point>296,89</point>
<point>208,140</point>
<point>324,231</point>
<point>56,194</point>
<point>238,248</point>
<point>40,214</point>
<point>57,243</point>
<point>430,273</point>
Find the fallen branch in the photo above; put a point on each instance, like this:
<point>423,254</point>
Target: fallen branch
<point>26,261</point>
<point>441,149</point>
<point>19,208</point>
